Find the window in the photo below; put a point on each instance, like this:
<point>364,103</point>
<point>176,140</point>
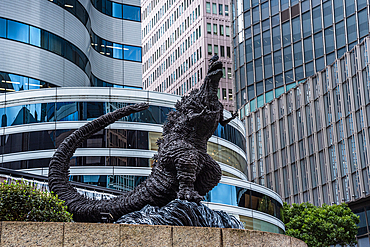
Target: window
<point>228,52</point>
<point>223,72</point>
<point>222,30</point>
<point>227,30</point>
<point>214,8</point>
<point>208,7</point>
<point>216,50</point>
<point>230,94</point>
<point>224,95</point>
<point>222,51</point>
<point>215,29</point>
<point>209,28</point>
<point>227,10</point>
<point>229,73</point>
<point>220,9</point>
<point>209,49</point>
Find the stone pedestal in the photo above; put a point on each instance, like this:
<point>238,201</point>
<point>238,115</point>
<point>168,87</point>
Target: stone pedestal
<point>92,234</point>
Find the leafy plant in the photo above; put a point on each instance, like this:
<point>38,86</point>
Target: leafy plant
<point>22,202</point>
<point>321,226</point>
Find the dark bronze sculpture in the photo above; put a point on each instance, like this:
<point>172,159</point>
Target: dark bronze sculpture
<point>182,167</point>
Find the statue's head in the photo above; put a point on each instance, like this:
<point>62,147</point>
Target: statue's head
<point>214,71</point>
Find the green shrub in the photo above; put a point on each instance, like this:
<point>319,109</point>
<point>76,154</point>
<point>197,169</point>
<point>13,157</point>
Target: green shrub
<point>22,202</point>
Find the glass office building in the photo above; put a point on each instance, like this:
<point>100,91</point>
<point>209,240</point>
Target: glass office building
<point>311,143</point>
<point>277,43</point>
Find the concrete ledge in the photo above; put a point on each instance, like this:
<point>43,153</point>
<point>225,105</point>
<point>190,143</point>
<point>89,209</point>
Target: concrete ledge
<point>89,234</point>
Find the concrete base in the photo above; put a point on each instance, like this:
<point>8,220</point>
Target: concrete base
<point>89,234</point>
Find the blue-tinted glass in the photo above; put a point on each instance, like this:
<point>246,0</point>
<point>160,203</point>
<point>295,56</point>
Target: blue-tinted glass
<point>18,31</point>
<point>266,43</point>
<point>242,77</point>
<point>289,76</point>
<point>265,25</point>
<point>35,36</point>
<point>117,10</point>
<point>284,4</point>
<point>330,58</point>
<point>279,91</point>
<point>19,83</point>
<point>328,17</point>
<point>247,33</point>
<point>56,44</point>
<point>256,14</point>
<point>250,78</point>
<point>351,28</point>
<point>256,29</point>
<point>296,28</point>
<point>279,80</point>
<point>34,84</point>
<point>259,88</point>
<point>269,84</point>
<point>277,62</point>
<point>350,46</point>
<point>260,101</point>
<point>265,10</point>
<point>298,57</point>
<point>290,86</point>
<point>329,39</point>
<point>254,2</point>
<point>250,92</point>
<point>319,48</point>
<point>299,73</point>
<point>241,54</point>
<point>341,52</point>
<point>257,46</point>
<point>340,34</point>
<point>363,23</point>
<point>117,51</point>
<point>309,69</point>
<point>274,7</point>
<point>246,4</point>
<point>338,10</point>
<point>258,68</point>
<point>269,96</point>
<point>288,58</point>
<point>131,13</point>
<point>320,64</point>
<point>315,2</point>
<point>248,50</point>
<point>306,22</point>
<point>305,6</point>
<point>361,4</point>
<point>276,38</point>
<point>247,19</point>
<point>45,41</point>
<point>275,20</point>
<point>132,53</point>
<point>350,7</point>
<point>307,43</point>
<point>286,33</point>
<point>253,105</point>
<point>2,28</point>
<point>316,18</point>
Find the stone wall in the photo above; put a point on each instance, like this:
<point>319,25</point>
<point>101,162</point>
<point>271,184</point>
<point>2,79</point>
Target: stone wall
<point>90,234</point>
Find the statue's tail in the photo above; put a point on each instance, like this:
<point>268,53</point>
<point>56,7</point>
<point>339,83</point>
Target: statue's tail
<point>157,189</point>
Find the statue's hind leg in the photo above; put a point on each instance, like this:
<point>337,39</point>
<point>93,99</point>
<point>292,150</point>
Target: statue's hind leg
<point>187,164</point>
<point>209,175</point>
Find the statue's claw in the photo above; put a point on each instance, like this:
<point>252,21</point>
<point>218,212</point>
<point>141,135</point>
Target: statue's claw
<point>189,195</point>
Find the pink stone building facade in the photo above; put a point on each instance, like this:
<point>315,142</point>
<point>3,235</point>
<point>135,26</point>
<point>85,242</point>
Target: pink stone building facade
<point>178,38</point>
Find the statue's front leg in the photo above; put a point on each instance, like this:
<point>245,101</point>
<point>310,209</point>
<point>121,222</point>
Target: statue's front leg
<point>186,166</point>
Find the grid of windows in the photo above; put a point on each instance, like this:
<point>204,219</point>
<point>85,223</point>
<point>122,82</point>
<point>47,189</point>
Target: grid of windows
<point>278,32</point>
<point>318,131</point>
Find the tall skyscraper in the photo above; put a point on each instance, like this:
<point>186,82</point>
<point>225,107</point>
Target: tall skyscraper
<point>277,43</point>
<point>178,38</point>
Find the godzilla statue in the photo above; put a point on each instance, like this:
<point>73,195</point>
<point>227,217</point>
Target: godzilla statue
<point>182,167</point>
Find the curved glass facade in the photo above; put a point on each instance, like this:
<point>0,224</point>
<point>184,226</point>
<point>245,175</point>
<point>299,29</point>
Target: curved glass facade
<point>11,83</point>
<point>117,10</point>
